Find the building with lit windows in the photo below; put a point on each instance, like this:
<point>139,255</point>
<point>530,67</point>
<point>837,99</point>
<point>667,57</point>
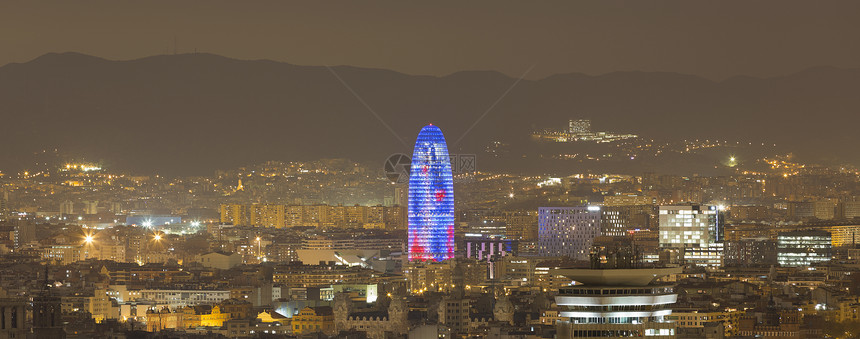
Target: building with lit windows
<point>431,198</point>
<point>628,200</point>
<point>750,252</point>
<point>521,225</point>
<point>696,231</point>
<point>689,226</point>
<point>844,235</point>
<point>314,320</point>
<point>267,215</point>
<point>235,214</point>
<point>696,318</point>
<point>181,298</point>
<point>567,231</point>
<point>620,220</point>
<point>803,248</point>
<point>616,303</point>
<point>580,126</point>
<point>486,248</point>
<point>711,256</point>
<point>851,209</point>
<point>64,254</point>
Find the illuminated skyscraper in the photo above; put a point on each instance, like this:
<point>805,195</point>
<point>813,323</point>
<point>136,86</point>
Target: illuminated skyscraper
<point>431,198</point>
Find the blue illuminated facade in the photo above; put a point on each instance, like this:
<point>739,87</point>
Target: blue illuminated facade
<point>431,198</point>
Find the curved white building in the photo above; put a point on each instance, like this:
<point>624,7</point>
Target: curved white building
<point>616,303</point>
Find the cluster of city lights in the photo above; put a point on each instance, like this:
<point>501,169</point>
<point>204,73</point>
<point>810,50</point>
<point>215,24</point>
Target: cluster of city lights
<point>82,167</point>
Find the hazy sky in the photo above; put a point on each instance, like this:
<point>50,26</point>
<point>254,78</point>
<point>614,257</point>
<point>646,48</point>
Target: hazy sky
<point>716,39</point>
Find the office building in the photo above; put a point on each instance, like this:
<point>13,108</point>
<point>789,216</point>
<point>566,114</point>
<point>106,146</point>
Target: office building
<point>824,210</point>
<point>803,248</point>
<point>489,228</point>
<point>695,232</point>
<point>431,198</point>
<point>567,231</point>
<point>709,256</point>
<point>522,225</point>
<point>750,252</point>
<point>844,235</point>
<point>851,209</point>
<point>689,226</point>
<point>620,220</point>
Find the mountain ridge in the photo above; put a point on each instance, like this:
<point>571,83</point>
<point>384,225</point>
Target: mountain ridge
<point>197,112</point>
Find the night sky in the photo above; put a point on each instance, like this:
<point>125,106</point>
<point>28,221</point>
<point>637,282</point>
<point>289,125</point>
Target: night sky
<point>715,39</point>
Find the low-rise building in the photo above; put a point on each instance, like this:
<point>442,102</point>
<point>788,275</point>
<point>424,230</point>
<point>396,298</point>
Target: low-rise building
<point>314,319</point>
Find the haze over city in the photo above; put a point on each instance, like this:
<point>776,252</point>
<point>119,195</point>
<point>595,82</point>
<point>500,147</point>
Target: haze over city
<point>382,169</point>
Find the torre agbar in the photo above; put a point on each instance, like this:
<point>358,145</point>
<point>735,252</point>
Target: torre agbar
<point>431,198</point>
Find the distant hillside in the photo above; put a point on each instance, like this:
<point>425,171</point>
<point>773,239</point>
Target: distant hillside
<point>194,113</point>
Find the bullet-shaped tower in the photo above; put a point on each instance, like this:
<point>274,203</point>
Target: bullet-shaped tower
<point>431,198</point>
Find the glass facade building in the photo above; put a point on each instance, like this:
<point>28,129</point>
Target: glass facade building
<point>695,230</point>
<point>567,231</point>
<point>803,248</point>
<point>431,198</point>
<point>689,226</point>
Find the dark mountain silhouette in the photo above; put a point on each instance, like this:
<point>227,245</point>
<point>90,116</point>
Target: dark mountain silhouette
<point>194,113</point>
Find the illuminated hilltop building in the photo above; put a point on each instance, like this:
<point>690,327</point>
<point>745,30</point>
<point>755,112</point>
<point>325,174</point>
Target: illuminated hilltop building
<point>581,126</point>
<point>431,198</point>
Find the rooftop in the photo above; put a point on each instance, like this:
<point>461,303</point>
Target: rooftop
<point>617,277</point>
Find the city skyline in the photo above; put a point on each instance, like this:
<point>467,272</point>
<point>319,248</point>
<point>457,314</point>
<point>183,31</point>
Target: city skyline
<point>278,169</point>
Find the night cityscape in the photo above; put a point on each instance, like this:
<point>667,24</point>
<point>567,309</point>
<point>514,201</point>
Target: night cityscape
<point>444,170</point>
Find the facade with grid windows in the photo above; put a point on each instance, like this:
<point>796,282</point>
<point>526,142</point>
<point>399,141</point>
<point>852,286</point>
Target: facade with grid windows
<point>567,231</point>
